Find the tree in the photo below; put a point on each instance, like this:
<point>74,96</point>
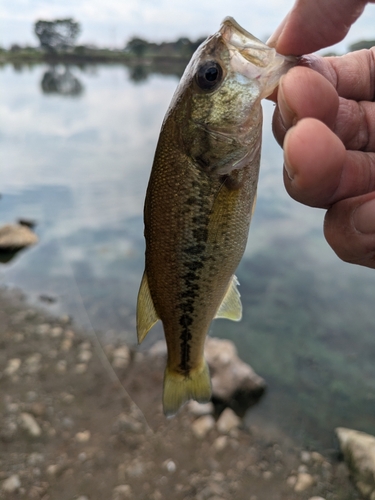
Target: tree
<point>59,34</point>
<point>137,46</point>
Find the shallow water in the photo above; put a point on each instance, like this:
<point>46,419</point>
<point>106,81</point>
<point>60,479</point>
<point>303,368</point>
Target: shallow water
<point>78,161</point>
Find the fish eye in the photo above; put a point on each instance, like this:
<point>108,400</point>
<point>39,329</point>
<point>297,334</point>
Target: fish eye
<point>209,75</point>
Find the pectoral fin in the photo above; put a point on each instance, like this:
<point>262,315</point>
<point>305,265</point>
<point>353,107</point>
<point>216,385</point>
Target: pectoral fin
<point>146,314</point>
<point>231,307</point>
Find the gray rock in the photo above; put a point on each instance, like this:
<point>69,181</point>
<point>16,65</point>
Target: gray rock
<point>84,356</point>
<point>291,481</point>
<point>220,443</point>
<point>136,468</point>
<point>61,366</point>
<point>305,457</point>
<point>83,437</point>
<point>122,492</point>
<point>202,426</point>
<point>267,474</point>
<point>80,368</point>
<point>358,449</point>
<point>32,363</point>
<point>198,409</point>
<point>227,421</point>
<point>169,465</point>
<point>304,482</point>
<point>317,458</point>
<point>15,237</point>
<point>12,366</point>
<point>30,425</point>
<point>212,490</point>
<point>56,332</point>
<point>127,423</point>
<point>66,345</point>
<point>35,459</point>
<point>11,484</point>
<point>229,374</point>
<point>8,430</point>
<point>56,470</point>
<point>121,357</point>
<point>158,349</point>
<point>43,329</point>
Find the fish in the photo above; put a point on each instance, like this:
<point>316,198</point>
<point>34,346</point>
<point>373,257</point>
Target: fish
<point>200,199</point>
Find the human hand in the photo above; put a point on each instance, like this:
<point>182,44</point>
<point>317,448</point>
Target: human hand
<point>325,121</point>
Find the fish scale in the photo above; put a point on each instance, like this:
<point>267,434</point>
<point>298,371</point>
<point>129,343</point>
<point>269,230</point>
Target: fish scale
<point>200,200</point>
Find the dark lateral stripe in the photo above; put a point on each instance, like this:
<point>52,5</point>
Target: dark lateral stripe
<point>193,256</point>
<point>185,337</point>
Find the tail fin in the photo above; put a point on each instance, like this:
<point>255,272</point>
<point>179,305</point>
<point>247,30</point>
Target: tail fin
<point>178,389</point>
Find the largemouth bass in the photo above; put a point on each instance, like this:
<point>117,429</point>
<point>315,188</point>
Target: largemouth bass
<point>200,199</point>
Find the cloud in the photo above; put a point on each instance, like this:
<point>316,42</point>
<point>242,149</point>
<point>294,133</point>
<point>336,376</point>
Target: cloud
<point>113,22</point>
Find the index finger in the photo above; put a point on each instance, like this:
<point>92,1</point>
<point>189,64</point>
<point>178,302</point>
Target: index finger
<point>315,24</point>
<point>352,75</point>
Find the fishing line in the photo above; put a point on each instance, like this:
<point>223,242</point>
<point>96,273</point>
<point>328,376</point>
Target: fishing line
<point>98,346</point>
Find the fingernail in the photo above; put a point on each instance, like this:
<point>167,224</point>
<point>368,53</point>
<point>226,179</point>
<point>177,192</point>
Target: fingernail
<point>288,116</point>
<point>287,166</point>
<point>288,170</point>
<point>272,41</point>
<point>364,218</point>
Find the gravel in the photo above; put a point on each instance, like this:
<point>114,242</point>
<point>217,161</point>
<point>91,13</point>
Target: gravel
<point>70,431</point>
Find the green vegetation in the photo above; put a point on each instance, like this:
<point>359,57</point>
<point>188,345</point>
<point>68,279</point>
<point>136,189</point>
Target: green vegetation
<point>57,40</point>
<point>57,45</point>
<point>363,44</point>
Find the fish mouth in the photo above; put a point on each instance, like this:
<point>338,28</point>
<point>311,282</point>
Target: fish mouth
<point>240,40</point>
<point>229,26</point>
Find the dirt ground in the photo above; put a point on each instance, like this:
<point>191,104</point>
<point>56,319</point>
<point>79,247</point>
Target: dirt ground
<point>69,430</point>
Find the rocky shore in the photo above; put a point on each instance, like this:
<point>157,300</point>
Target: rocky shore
<point>69,430</point>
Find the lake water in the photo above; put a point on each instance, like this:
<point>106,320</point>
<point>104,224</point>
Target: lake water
<point>76,153</point>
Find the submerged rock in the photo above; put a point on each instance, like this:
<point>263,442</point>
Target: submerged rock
<point>234,382</point>
<point>358,449</point>
<point>14,237</point>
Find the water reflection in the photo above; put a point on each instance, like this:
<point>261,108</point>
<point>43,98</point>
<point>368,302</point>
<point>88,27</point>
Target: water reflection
<point>141,72</point>
<point>7,255</point>
<point>60,80</point>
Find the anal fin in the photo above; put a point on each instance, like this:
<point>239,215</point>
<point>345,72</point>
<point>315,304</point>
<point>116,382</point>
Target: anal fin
<point>146,314</point>
<point>231,307</point>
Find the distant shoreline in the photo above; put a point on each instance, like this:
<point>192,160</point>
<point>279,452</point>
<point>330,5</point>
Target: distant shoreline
<point>149,54</point>
<point>35,56</point>
<point>139,67</point>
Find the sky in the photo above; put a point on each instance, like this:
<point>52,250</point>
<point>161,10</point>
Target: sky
<point>112,23</point>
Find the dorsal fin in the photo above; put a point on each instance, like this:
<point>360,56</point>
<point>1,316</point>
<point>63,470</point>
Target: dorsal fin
<point>146,314</point>
<point>231,307</point>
